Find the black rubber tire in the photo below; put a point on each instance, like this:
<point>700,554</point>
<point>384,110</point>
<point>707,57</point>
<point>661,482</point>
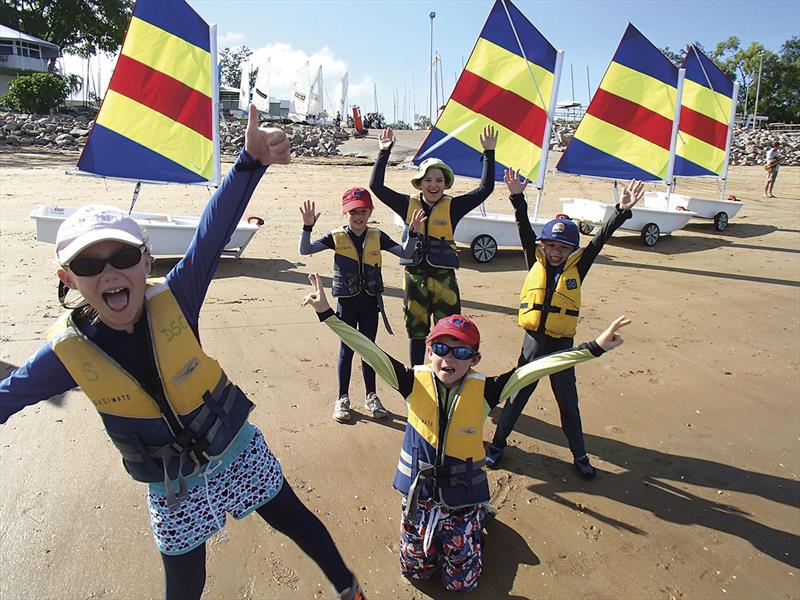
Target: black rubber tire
<point>721,221</point>
<point>650,233</point>
<point>483,248</point>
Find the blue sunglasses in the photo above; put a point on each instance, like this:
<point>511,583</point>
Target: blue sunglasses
<point>460,353</point>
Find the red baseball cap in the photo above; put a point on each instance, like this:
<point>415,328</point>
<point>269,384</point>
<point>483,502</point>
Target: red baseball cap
<point>458,326</point>
<point>356,197</point>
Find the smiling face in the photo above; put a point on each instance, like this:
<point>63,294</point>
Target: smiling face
<point>116,294</point>
<point>556,252</point>
<point>358,218</point>
<point>432,185</point>
<point>448,369</point>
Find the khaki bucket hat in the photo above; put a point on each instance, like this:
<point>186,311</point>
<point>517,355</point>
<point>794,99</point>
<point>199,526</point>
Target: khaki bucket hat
<point>433,163</point>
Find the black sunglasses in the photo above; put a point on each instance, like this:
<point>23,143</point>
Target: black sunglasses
<point>125,258</point>
<point>460,353</point>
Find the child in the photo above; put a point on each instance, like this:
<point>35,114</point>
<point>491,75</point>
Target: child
<point>357,285</point>
<point>430,283</point>
<point>441,476</point>
<point>179,423</point>
<point>548,312</point>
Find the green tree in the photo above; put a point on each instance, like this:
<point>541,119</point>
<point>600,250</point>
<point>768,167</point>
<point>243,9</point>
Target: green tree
<point>780,84</point>
<point>83,27</point>
<point>677,57</point>
<point>743,64</point>
<point>230,63</point>
<point>37,93</point>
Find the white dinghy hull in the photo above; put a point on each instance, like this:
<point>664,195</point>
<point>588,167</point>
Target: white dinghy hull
<point>169,235</point>
<point>719,211</point>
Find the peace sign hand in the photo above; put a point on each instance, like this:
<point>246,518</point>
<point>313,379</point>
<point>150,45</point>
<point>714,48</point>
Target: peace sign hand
<point>610,338</point>
<point>515,186</point>
<point>317,298</point>
<point>633,192</point>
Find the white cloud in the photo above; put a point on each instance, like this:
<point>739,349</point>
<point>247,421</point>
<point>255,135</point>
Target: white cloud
<point>232,38</point>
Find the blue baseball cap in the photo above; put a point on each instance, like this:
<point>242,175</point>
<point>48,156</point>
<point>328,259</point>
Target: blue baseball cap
<point>561,230</point>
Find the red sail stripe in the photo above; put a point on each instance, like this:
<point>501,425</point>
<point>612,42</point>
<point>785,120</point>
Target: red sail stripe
<point>703,128</point>
<point>502,106</point>
<point>163,94</point>
<point>631,117</point>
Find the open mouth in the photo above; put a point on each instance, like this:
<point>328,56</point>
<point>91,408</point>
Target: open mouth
<point>117,299</point>
<point>448,370</point>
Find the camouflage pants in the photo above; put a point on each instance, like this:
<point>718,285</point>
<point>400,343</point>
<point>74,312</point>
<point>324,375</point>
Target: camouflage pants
<point>456,546</point>
<point>429,293</point>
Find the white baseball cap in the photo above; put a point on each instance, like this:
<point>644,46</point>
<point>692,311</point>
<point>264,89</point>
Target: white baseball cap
<point>95,223</point>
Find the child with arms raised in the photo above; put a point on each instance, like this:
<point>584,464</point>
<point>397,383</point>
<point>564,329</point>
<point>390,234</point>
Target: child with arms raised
<point>431,289</point>
<point>549,307</point>
<point>181,426</point>
<point>440,472</point>
<point>357,285</point>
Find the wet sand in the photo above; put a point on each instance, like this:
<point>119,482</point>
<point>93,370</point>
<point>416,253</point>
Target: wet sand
<point>693,423</point>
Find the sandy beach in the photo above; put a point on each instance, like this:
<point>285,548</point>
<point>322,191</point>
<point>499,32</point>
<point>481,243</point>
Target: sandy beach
<point>694,423</point>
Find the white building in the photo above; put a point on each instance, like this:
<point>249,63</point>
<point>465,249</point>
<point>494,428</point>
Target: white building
<point>22,54</point>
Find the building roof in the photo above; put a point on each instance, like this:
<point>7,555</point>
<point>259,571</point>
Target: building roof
<point>12,34</point>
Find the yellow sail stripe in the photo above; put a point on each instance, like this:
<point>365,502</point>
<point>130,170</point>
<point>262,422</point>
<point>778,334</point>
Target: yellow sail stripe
<point>169,54</point>
<point>510,71</point>
<point>623,145</point>
<point>157,132</point>
<point>512,150</point>
<point>699,152</point>
<point>706,101</point>
<point>641,89</point>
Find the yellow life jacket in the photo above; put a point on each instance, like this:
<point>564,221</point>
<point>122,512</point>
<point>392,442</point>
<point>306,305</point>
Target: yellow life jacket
<point>437,246</point>
<point>561,315</point>
<point>442,457</point>
<point>354,272</point>
<point>203,411</point>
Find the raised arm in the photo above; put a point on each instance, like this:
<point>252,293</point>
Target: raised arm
<point>306,246</point>
<point>558,361</point>
<point>190,278</point>
<point>465,203</point>
<point>396,201</point>
<point>516,188</point>
<point>389,369</point>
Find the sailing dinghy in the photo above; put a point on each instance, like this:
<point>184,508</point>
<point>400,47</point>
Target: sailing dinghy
<point>628,132</point>
<point>510,82</point>
<point>158,122</point>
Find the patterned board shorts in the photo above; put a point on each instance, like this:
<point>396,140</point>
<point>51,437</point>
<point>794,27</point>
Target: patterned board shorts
<point>429,293</point>
<point>456,545</point>
<point>252,479</point>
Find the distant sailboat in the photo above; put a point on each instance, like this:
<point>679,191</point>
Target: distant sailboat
<point>244,86</point>
<point>315,108</point>
<point>298,110</point>
<point>261,87</point>
<point>343,96</point>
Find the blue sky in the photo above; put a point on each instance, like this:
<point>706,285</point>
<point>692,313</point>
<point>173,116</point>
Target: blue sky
<point>387,42</point>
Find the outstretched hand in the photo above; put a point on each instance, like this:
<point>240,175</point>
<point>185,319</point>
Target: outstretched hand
<point>515,186</point>
<point>633,192</point>
<point>417,220</point>
<point>489,138</point>
<point>309,216</point>
<point>610,338</point>
<point>317,297</point>
<point>386,139</point>
<point>269,146</point>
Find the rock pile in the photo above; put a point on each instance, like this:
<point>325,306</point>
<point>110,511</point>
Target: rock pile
<point>69,132</point>
<point>749,146</point>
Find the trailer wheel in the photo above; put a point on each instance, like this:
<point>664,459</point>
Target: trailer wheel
<point>585,228</point>
<point>483,248</point>
<point>721,221</point>
<point>650,233</point>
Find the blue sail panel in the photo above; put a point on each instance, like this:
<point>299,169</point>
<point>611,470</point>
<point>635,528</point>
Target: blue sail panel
<point>582,159</point>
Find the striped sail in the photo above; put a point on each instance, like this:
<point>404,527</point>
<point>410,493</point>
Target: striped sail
<point>626,132</point>
<point>497,88</point>
<point>156,122</point>
<point>706,116</point>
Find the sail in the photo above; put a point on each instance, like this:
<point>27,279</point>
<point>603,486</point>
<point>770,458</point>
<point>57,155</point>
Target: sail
<point>299,102</point>
<point>244,86</point>
<point>157,121</point>
<point>343,96</point>
<point>627,130</point>
<point>315,95</point>
<point>707,106</point>
<point>261,87</point>
<point>510,82</point>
